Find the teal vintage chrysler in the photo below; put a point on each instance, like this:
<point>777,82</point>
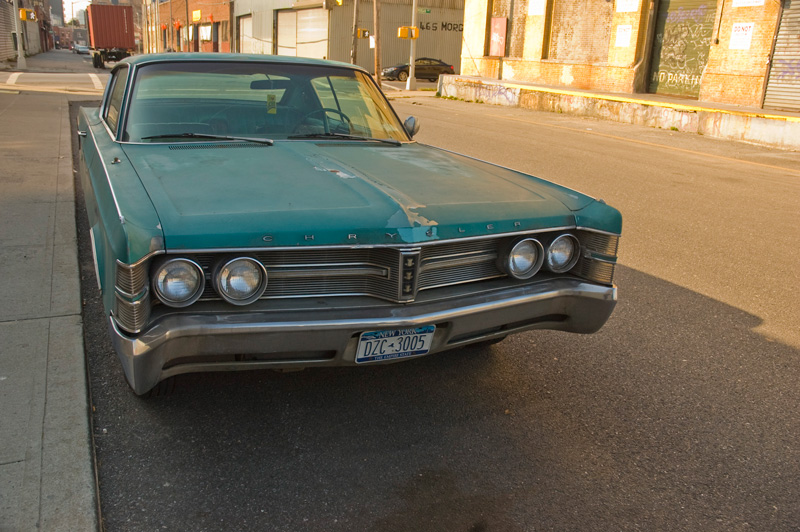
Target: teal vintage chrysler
<point>252,212</point>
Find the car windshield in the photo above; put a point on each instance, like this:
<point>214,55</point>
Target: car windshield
<point>256,100</point>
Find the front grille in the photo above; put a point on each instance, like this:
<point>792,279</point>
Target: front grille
<point>399,273</point>
<point>459,262</point>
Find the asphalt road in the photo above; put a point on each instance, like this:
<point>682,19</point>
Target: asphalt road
<point>681,414</point>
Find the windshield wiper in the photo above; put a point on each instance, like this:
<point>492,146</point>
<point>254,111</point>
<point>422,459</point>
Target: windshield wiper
<point>268,142</point>
<point>393,142</point>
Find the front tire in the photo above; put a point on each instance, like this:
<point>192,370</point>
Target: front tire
<point>402,76</point>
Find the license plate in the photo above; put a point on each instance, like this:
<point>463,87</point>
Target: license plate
<point>374,346</point>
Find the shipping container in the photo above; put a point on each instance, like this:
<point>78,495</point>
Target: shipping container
<point>111,32</point>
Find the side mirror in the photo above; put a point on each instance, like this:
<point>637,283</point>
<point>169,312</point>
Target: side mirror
<point>412,126</point>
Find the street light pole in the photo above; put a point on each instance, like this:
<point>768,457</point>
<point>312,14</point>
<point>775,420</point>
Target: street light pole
<point>377,30</point>
<point>354,49</point>
<point>411,82</point>
<point>20,53</point>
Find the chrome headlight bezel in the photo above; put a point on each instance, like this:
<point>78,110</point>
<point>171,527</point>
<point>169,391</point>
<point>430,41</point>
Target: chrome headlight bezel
<point>573,259</point>
<point>162,269</point>
<point>509,263</point>
<point>257,292</point>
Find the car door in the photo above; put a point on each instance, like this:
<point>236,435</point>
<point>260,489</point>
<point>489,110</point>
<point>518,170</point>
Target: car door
<point>422,68</point>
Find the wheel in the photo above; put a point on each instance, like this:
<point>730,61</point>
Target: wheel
<point>433,80</point>
<point>324,111</point>
<point>402,76</point>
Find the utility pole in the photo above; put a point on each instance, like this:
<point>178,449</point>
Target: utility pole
<point>188,23</point>
<point>376,30</point>
<point>411,82</point>
<point>354,49</point>
<point>20,52</point>
<point>171,29</point>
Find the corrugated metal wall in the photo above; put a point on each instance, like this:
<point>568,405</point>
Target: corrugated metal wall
<point>6,29</point>
<point>580,30</point>
<point>783,87</point>
<point>681,45</point>
<point>441,26</point>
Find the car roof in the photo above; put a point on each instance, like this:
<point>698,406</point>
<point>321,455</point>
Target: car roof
<point>233,58</point>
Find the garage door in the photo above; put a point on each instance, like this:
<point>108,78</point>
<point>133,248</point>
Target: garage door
<point>681,45</point>
<point>783,86</point>
<point>303,33</point>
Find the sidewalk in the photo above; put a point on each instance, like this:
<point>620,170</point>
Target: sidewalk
<point>775,129</point>
<point>47,479</point>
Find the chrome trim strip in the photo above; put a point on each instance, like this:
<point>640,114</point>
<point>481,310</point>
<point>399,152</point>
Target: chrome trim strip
<point>143,259</point>
<point>471,280</point>
<point>401,246</point>
<point>279,272</point>
<point>599,231</point>
<point>600,259</point>
<point>94,259</point>
<point>442,263</point>
<point>105,172</point>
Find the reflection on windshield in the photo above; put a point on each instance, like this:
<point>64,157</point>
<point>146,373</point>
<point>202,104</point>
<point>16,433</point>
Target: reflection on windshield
<point>269,100</point>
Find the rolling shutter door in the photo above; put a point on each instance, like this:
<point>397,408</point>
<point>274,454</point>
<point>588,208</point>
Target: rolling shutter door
<point>681,45</point>
<point>783,86</point>
<point>303,33</point>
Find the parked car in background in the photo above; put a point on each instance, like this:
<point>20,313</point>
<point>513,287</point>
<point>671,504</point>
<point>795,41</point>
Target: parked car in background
<point>81,49</point>
<point>256,211</point>
<point>424,68</point>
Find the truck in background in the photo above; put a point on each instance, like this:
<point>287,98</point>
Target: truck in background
<point>111,33</point>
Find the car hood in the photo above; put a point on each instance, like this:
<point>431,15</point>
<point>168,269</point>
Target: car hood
<point>221,195</point>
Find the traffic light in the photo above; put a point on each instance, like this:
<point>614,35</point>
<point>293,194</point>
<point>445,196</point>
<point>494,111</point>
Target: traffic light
<point>407,32</point>
<point>362,33</point>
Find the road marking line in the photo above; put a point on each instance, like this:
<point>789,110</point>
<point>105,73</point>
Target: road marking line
<point>96,81</point>
<point>12,79</point>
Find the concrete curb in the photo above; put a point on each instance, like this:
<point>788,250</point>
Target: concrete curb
<point>68,485</point>
<point>752,126</point>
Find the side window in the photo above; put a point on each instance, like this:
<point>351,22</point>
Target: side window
<point>112,110</point>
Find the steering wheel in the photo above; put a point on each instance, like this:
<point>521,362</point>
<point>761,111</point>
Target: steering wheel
<point>324,111</point>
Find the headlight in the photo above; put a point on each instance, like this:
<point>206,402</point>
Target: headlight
<point>241,281</point>
<point>524,259</point>
<point>562,254</point>
<point>178,282</point>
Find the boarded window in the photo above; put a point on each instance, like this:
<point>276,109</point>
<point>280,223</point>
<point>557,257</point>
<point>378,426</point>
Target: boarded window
<point>580,30</point>
<point>515,11</point>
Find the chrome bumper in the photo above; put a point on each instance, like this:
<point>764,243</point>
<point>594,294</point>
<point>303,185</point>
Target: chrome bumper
<point>188,343</point>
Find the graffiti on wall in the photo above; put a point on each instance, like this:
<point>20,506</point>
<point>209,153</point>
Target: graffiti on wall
<point>786,70</point>
<point>680,51</point>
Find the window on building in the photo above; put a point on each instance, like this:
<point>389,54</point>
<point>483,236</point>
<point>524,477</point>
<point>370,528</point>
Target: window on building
<point>580,30</point>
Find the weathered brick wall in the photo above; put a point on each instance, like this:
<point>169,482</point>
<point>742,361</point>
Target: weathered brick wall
<point>566,52</point>
<point>210,13</point>
<point>735,72</point>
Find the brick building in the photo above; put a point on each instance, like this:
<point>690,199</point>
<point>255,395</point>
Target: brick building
<point>744,52</point>
<point>188,25</point>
